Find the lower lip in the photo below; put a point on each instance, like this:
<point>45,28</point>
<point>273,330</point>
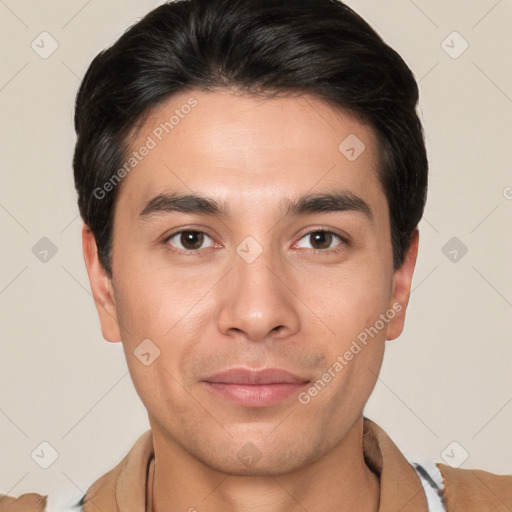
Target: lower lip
<point>261,395</point>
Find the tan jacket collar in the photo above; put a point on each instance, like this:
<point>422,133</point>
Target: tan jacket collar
<point>124,487</point>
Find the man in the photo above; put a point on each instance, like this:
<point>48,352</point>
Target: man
<point>251,175</point>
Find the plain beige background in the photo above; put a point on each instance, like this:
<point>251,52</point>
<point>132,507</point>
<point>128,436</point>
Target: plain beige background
<point>446,380</point>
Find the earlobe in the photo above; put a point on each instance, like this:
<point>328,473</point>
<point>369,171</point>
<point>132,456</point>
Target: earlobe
<point>402,289</point>
<point>101,287</point>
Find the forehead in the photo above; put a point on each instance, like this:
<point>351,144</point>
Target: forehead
<point>259,149</point>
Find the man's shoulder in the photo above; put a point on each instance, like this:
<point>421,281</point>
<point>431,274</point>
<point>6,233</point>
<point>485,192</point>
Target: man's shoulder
<point>29,502</point>
<point>102,493</point>
<point>34,502</point>
<point>475,489</point>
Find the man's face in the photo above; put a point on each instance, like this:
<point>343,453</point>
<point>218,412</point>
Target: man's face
<point>256,287</point>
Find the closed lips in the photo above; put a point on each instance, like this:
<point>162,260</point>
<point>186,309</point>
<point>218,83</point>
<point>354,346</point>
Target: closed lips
<point>266,376</point>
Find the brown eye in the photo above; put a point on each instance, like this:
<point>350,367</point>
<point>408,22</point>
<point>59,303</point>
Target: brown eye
<point>187,240</point>
<point>322,240</point>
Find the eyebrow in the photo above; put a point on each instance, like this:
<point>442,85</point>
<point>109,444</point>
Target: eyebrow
<point>338,201</point>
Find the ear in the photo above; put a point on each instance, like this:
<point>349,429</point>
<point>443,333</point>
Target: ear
<point>101,287</point>
<point>402,289</point>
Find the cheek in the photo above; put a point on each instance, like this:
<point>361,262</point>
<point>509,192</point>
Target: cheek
<point>350,299</point>
<point>153,341</point>
<point>351,307</point>
<point>148,302</point>
<point>159,313</point>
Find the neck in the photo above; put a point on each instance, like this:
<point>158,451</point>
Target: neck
<point>340,481</point>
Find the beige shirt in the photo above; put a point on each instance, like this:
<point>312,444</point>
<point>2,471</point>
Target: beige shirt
<point>127,487</point>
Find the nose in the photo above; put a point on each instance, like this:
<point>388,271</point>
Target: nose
<point>258,302</point>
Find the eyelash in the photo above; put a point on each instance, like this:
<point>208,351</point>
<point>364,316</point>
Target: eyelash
<point>338,248</point>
